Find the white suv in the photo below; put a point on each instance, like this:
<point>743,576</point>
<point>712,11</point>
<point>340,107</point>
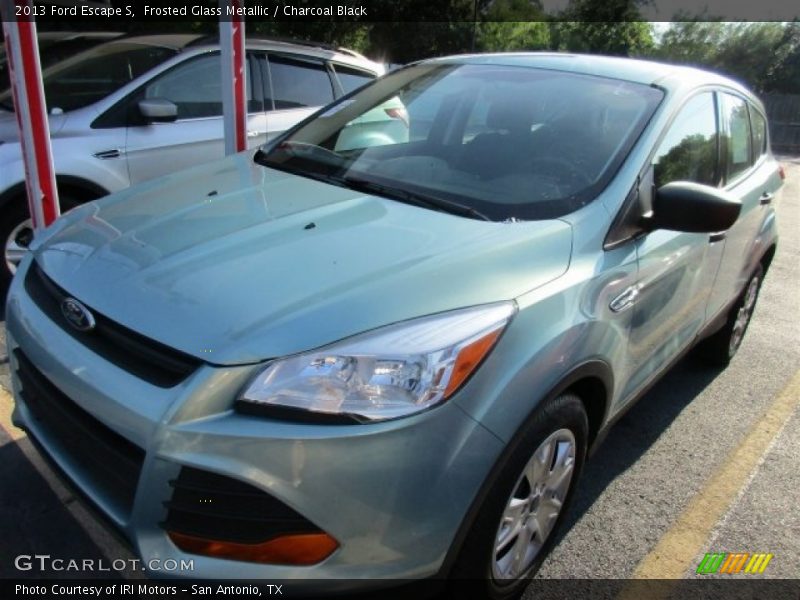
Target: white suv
<point>139,107</point>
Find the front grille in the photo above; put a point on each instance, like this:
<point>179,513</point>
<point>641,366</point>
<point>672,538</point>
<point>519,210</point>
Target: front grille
<point>212,506</point>
<point>147,359</point>
<point>111,462</point>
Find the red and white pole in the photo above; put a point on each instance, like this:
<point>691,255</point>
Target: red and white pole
<point>22,51</point>
<point>234,101</point>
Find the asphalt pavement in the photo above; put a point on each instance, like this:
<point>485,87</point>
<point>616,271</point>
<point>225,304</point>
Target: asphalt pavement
<point>706,462</point>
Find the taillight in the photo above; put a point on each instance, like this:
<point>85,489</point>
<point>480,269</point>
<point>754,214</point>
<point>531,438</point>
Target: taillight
<point>401,114</point>
<point>782,172</point>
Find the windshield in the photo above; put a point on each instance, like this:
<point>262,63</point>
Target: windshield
<point>497,142</point>
<point>92,75</point>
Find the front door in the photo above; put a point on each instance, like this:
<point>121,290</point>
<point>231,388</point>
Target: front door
<point>197,136</point>
<point>676,270</point>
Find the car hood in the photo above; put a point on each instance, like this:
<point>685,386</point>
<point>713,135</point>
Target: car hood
<point>234,263</point>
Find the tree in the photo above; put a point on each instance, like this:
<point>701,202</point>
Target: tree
<point>784,76</point>
<point>512,25</point>
<point>764,56</point>
<point>421,29</point>
<point>612,27</point>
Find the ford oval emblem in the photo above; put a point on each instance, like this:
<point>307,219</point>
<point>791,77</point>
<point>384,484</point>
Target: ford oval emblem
<point>77,314</point>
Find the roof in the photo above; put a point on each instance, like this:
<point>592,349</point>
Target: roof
<point>166,40</point>
<point>629,69</point>
<point>202,42</point>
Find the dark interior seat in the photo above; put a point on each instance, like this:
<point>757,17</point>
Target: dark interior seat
<point>505,147</point>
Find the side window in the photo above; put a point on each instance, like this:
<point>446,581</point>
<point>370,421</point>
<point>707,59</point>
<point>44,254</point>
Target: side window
<point>738,156</point>
<point>759,124</point>
<point>352,79</point>
<point>689,150</point>
<point>195,87</point>
<point>298,83</point>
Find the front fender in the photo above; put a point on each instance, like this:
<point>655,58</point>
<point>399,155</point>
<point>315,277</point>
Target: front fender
<point>563,332</point>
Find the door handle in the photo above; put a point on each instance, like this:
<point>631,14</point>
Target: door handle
<point>106,154</point>
<point>625,300</point>
<point>717,237</point>
<point>766,198</point>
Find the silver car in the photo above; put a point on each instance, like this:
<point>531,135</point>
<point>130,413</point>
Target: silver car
<point>143,106</point>
<point>389,359</point>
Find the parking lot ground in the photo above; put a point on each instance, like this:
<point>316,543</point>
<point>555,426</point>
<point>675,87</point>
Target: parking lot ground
<point>706,462</point>
<point>666,451</point>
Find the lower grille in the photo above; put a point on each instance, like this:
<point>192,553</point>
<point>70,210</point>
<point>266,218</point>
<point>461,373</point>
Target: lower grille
<point>211,506</point>
<point>111,462</point>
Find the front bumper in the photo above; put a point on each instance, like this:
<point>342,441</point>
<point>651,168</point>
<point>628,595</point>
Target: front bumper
<point>392,494</point>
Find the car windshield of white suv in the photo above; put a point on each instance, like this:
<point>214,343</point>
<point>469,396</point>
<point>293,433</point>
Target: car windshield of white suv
<point>92,75</point>
<point>484,141</point>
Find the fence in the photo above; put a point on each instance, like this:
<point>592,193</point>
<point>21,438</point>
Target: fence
<point>783,111</point>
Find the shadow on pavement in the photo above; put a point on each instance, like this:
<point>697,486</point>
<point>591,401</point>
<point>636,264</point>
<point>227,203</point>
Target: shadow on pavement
<point>35,521</point>
<point>637,431</point>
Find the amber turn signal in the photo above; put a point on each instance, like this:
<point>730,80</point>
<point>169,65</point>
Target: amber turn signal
<point>297,549</point>
<point>469,358</point>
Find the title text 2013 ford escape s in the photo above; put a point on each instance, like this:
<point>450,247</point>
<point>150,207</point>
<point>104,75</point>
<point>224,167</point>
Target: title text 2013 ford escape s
<point>385,356</point>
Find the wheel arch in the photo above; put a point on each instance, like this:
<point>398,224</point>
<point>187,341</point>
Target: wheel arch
<point>593,382</point>
<point>79,188</point>
<point>769,254</point>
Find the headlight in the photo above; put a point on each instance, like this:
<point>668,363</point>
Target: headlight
<point>390,372</point>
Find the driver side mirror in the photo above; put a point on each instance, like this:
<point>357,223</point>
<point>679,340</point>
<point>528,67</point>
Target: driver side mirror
<point>158,110</point>
<point>692,208</point>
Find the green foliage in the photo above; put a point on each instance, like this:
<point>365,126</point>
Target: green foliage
<point>512,35</point>
<point>693,159</point>
<point>421,28</point>
<point>611,27</point>
<point>619,38</point>
<point>512,25</point>
<point>764,56</point>
<point>347,34</point>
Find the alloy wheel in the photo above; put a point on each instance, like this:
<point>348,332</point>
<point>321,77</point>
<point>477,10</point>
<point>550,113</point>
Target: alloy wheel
<point>743,315</point>
<point>534,506</point>
<point>16,246</point>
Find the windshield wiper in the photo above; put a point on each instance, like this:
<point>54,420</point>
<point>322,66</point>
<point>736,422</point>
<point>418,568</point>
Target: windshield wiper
<point>372,187</point>
<point>303,150</point>
<point>415,198</point>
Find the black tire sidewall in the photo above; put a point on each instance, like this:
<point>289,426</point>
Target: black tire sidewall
<point>472,573</point>
<point>759,273</point>
<point>716,349</point>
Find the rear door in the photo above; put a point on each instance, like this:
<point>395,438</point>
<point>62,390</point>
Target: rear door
<point>295,87</point>
<point>197,136</point>
<point>676,270</point>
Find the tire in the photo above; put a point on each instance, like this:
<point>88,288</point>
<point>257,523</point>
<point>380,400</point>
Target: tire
<point>511,516</point>
<point>16,234</point>
<point>721,347</point>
